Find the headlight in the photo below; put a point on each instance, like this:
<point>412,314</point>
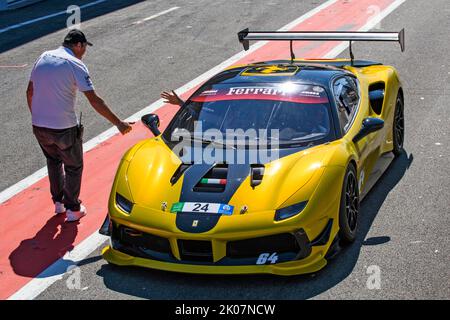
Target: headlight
<point>123,203</point>
<point>290,211</point>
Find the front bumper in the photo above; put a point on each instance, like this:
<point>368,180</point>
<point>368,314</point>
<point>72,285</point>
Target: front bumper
<point>309,265</point>
<point>295,253</point>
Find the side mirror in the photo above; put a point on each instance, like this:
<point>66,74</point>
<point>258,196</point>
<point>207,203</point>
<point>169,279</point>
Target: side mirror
<point>369,125</point>
<point>151,121</point>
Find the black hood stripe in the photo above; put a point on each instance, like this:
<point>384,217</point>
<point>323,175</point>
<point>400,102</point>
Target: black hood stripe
<point>237,173</point>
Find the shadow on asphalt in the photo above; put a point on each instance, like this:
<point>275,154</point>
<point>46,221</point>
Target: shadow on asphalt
<point>17,37</point>
<point>154,284</point>
<point>49,244</point>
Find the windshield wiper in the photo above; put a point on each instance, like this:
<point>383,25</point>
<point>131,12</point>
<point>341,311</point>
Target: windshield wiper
<point>309,136</point>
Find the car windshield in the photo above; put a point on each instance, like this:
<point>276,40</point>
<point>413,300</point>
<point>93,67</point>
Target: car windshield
<point>287,113</point>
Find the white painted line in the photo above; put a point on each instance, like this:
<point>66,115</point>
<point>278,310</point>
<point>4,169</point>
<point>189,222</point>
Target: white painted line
<point>156,15</point>
<point>18,66</point>
<point>58,269</point>
<point>22,184</point>
<point>35,177</point>
<point>85,248</point>
<point>19,25</point>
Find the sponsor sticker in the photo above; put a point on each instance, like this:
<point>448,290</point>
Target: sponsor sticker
<point>285,91</point>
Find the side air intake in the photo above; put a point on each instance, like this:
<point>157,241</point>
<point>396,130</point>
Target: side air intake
<point>179,172</point>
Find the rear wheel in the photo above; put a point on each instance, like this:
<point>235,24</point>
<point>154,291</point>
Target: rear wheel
<point>398,127</point>
<point>349,208</point>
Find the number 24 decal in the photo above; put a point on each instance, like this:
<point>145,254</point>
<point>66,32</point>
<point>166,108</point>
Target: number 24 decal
<point>264,257</point>
<point>198,207</point>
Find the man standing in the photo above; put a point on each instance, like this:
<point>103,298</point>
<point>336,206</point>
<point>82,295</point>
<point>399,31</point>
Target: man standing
<point>51,96</point>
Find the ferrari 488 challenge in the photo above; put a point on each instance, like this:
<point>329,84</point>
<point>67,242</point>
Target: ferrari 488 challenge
<point>263,168</point>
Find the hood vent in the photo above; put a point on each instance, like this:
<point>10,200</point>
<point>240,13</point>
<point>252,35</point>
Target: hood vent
<point>256,174</point>
<point>179,172</point>
<point>215,180</point>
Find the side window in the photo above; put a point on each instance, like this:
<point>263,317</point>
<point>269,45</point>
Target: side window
<point>347,99</point>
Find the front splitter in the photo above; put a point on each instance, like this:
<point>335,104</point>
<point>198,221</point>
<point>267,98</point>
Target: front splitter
<point>309,265</point>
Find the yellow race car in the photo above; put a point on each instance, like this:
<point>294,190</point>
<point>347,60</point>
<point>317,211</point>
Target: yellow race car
<point>263,168</point>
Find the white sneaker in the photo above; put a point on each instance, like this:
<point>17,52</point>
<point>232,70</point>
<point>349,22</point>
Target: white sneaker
<point>76,215</point>
<point>59,208</point>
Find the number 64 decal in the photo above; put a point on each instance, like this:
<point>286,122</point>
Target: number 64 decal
<point>264,257</point>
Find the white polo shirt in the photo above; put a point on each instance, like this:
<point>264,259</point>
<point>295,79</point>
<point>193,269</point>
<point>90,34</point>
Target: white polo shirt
<point>56,76</point>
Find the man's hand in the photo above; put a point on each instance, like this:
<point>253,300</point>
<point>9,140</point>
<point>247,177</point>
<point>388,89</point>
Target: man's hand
<point>124,127</point>
<point>172,98</point>
<point>100,106</point>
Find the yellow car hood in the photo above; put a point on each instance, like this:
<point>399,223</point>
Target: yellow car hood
<point>150,168</point>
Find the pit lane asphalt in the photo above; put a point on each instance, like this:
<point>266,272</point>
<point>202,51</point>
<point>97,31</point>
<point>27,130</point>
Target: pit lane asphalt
<point>405,220</point>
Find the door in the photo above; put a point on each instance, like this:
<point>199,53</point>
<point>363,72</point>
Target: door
<point>347,97</point>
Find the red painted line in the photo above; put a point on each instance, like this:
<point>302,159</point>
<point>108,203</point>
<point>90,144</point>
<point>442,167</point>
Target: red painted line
<point>33,238</point>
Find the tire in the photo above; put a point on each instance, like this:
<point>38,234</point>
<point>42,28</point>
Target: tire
<point>398,127</point>
<point>349,207</point>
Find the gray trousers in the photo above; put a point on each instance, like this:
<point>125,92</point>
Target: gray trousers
<point>64,152</point>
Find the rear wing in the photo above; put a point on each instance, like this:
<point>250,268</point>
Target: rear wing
<point>245,36</point>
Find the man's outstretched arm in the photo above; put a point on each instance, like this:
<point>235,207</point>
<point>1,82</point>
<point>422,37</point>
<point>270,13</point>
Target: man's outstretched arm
<point>100,106</point>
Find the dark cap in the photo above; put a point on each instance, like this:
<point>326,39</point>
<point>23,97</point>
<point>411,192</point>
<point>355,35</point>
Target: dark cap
<point>75,36</point>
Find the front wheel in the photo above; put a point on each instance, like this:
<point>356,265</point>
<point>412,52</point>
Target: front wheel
<point>398,127</point>
<point>349,208</point>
